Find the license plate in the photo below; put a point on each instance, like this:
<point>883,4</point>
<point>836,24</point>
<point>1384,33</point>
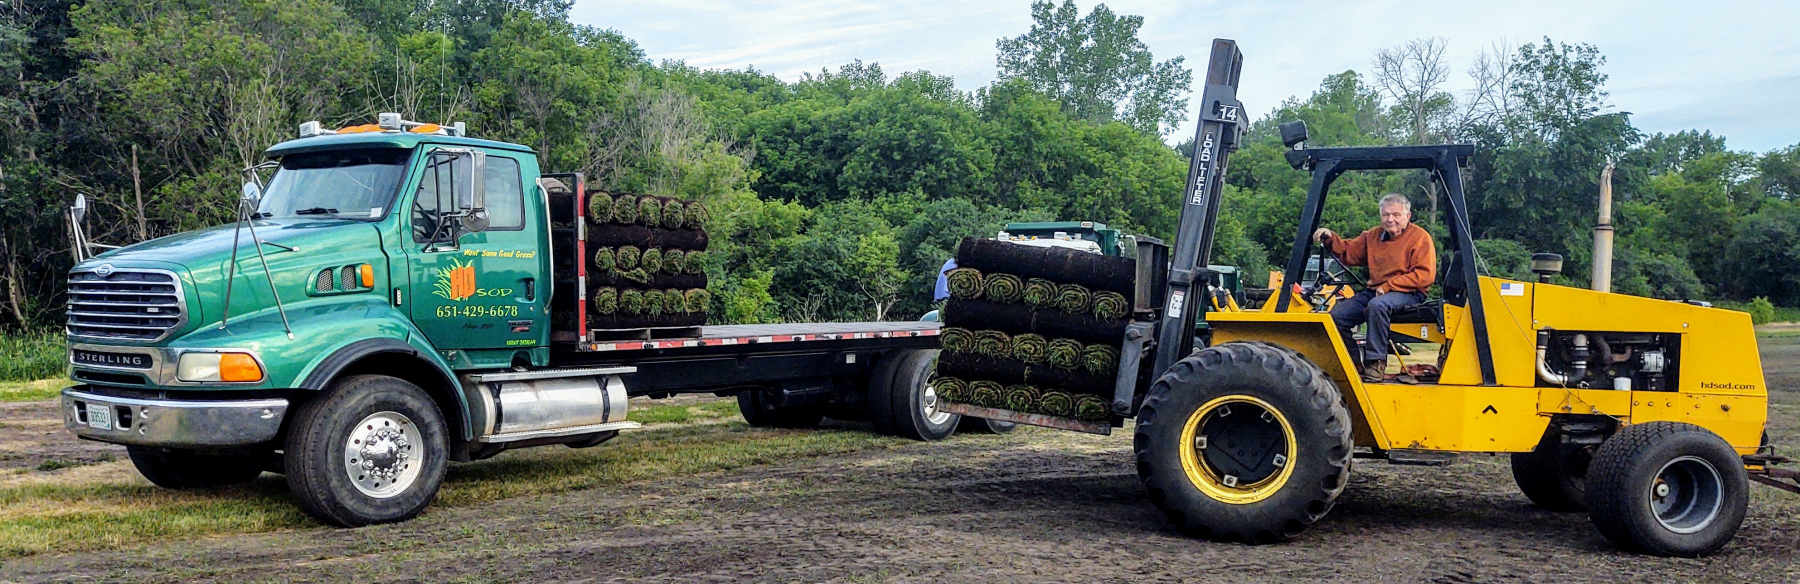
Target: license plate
<point>99,416</point>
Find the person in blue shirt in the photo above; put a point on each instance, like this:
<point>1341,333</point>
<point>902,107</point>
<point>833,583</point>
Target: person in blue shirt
<point>942,291</point>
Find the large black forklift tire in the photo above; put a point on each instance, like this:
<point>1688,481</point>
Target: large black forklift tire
<point>373,449</point>
<point>760,411</point>
<point>1667,489</point>
<point>1553,475</point>
<point>1243,442</point>
<point>911,404</point>
<point>173,468</point>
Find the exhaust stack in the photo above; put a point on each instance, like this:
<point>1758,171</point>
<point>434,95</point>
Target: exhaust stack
<point>1603,235</point>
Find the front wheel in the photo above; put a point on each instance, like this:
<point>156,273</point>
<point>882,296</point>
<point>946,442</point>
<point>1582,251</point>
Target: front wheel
<point>173,468</point>
<point>1668,489</point>
<point>371,450</point>
<point>1243,442</point>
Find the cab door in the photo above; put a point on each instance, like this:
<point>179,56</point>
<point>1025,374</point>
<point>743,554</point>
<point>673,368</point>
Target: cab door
<point>475,288</point>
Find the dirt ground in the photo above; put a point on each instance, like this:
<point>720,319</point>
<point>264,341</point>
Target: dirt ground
<point>1037,505</point>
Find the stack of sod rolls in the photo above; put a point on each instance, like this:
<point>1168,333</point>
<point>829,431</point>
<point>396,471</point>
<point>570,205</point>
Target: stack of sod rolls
<point>1033,329</point>
<point>648,261</point>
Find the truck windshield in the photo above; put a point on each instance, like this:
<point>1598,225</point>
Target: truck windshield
<point>349,184</point>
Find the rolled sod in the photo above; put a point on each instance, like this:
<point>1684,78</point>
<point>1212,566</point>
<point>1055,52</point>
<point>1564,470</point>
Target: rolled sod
<point>1110,305</point>
<point>697,300</point>
<point>986,393</point>
<point>957,339</point>
<point>950,388</point>
<point>1010,371</point>
<point>606,260</point>
<point>606,300</point>
<point>625,209</point>
<point>993,344</point>
<point>674,214</point>
<point>964,283</point>
<point>1056,403</point>
<point>1063,354</point>
<point>649,211</point>
<point>642,278</point>
<point>674,261</point>
<point>674,302</point>
<point>697,216</point>
<point>1091,407</point>
<point>1029,348</point>
<point>1022,397</point>
<point>637,276</point>
<point>651,261</point>
<point>600,207</point>
<point>1052,263</point>
<point>1039,292</point>
<point>1073,298</point>
<point>696,262</point>
<point>1100,359</point>
<point>1001,287</point>
<point>1021,319</point>
<point>631,302</point>
<point>628,257</point>
<point>616,235</point>
<point>653,302</point>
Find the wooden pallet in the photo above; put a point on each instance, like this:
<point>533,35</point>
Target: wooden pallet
<point>644,333</point>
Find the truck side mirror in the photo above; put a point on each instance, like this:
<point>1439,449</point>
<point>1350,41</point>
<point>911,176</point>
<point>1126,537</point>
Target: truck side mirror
<point>79,210</point>
<point>473,204</point>
<point>252,194</point>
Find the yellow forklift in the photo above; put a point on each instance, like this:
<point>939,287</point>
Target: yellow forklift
<point>1647,414</point>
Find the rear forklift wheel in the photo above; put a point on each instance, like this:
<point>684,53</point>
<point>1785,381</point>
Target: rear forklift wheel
<point>1668,489</point>
<point>1243,442</point>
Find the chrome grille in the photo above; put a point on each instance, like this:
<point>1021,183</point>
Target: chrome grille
<point>322,283</point>
<point>347,278</point>
<point>139,305</point>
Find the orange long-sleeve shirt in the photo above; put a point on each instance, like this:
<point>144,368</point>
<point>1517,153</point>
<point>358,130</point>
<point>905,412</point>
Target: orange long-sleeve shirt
<point>1406,263</point>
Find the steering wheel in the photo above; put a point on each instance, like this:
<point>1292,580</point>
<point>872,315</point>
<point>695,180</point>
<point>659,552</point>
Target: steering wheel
<point>1343,275</point>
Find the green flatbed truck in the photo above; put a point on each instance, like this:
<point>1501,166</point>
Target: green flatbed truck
<point>399,296</point>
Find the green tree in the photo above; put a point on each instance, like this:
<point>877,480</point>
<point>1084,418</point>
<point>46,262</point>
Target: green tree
<point>1096,66</point>
<point>1764,255</point>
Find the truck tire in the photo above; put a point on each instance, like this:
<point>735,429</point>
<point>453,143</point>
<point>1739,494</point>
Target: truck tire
<point>759,411</point>
<point>911,411</point>
<point>881,381</point>
<point>1553,475</point>
<point>173,468</point>
<point>985,426</point>
<point>1243,442</point>
<point>1667,489</point>
<point>372,449</point>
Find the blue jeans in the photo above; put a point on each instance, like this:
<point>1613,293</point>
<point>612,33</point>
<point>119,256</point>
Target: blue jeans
<point>1367,306</point>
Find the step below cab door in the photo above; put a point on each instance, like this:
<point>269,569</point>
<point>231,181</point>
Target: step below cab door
<point>477,288</point>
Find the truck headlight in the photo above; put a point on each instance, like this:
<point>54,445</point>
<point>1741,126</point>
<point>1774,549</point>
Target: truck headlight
<point>218,367</point>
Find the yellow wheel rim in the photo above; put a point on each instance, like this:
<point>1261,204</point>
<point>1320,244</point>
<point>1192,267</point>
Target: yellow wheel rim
<point>1203,455</point>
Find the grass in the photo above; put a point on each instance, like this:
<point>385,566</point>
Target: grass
<point>42,389</point>
<point>59,517</point>
<point>32,355</point>
<point>680,414</point>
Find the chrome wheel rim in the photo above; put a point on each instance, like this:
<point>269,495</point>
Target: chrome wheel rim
<point>1687,494</point>
<point>383,454</point>
<point>928,404</point>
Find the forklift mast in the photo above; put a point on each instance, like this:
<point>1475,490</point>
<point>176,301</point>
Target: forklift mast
<point>1221,124</point>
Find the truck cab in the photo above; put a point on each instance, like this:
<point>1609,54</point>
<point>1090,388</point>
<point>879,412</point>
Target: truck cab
<point>385,304</point>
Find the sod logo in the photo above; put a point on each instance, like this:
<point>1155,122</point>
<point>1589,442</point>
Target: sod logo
<point>455,282</point>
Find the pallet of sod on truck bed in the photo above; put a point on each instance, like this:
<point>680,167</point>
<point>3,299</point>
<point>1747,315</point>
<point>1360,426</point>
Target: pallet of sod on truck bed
<point>647,270</point>
<point>1033,330</point>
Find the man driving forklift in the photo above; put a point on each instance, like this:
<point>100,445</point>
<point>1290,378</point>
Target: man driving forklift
<point>1402,264</point>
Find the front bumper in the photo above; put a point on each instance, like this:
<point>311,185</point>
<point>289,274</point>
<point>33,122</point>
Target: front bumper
<point>173,423</point>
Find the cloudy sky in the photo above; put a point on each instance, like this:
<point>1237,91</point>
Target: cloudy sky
<point>1733,68</point>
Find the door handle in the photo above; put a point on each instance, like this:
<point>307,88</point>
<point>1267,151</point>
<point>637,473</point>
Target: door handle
<point>530,289</point>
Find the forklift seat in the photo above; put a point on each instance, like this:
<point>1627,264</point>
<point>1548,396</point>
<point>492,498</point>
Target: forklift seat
<point>1427,312</point>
